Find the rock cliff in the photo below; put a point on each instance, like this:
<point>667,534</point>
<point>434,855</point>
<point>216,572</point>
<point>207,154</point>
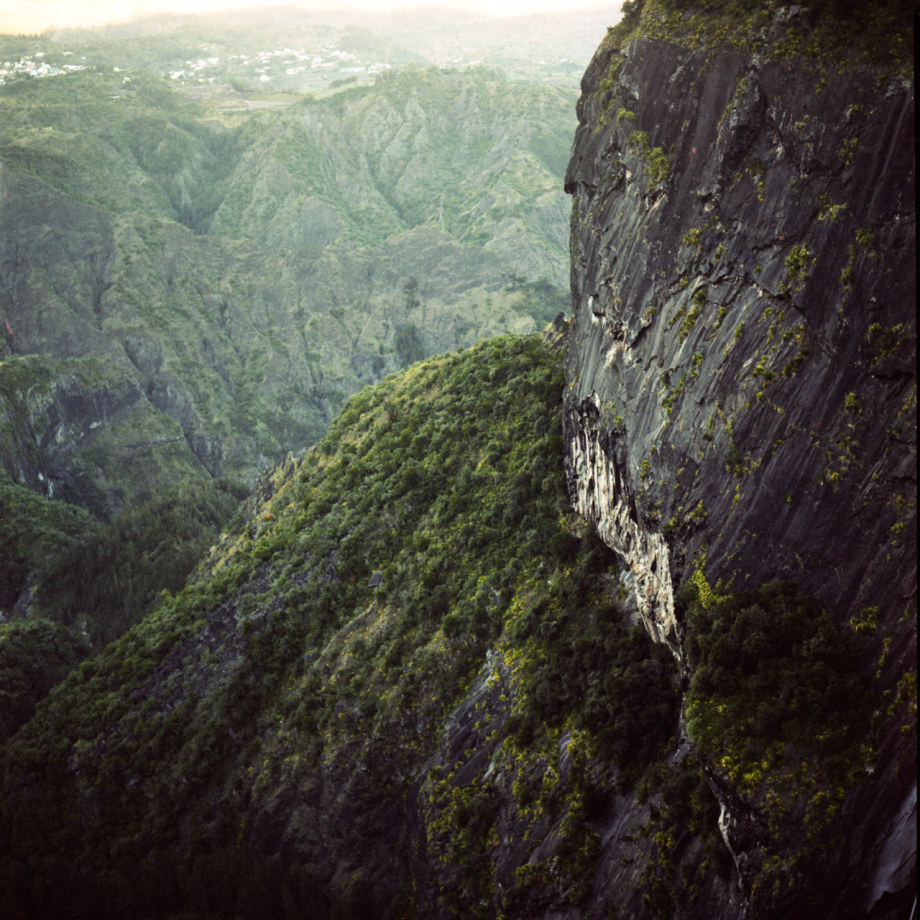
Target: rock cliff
<point>741,398</point>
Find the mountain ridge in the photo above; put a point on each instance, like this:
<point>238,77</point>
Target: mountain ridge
<point>264,265</point>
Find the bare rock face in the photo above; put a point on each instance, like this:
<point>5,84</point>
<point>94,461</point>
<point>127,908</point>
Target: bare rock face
<point>740,364</point>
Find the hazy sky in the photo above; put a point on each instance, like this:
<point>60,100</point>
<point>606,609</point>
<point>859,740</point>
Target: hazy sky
<point>38,15</point>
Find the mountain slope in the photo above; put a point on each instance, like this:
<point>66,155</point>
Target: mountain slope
<point>312,692</point>
<point>409,682</point>
<point>185,295</point>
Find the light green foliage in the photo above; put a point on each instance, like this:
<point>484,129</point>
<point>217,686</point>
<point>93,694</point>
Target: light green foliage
<point>255,265</point>
<point>799,262</point>
<point>657,162</point>
<point>693,237</point>
<point>865,620</point>
<point>828,211</point>
<point>697,303</point>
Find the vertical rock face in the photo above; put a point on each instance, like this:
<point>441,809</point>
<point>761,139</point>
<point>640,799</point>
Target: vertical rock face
<point>741,393</point>
<point>601,491</point>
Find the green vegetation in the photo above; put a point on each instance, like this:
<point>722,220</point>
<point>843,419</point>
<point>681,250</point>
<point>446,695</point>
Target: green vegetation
<point>777,705</point>
<point>885,341</point>
<point>697,303</point>
<point>32,530</point>
<point>799,262</point>
<point>586,669</point>
<point>35,655</point>
<point>85,582</point>
<point>657,162</point>
<point>826,33</point>
<point>684,809</point>
<point>245,271</point>
<point>112,577</point>
<point>339,623</point>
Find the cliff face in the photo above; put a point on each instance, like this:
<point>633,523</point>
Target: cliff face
<point>740,396</point>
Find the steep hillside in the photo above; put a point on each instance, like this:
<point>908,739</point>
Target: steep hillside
<point>366,681</point>
<point>410,682</point>
<point>741,391</point>
<point>237,277</point>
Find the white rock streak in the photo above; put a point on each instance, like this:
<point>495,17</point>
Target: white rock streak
<point>602,495</point>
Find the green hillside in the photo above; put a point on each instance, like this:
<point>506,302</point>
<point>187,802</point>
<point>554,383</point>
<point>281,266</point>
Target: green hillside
<point>401,680</point>
<point>339,623</point>
<point>186,293</point>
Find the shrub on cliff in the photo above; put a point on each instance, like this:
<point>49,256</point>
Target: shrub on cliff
<point>776,703</point>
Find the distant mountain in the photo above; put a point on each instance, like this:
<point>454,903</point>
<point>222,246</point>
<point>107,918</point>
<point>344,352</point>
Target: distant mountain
<point>236,276</point>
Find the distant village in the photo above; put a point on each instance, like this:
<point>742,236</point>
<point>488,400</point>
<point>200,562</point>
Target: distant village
<point>284,67</point>
<point>34,66</point>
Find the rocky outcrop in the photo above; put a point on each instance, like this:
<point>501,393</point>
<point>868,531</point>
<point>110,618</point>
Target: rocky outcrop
<point>599,485</point>
<point>740,366</point>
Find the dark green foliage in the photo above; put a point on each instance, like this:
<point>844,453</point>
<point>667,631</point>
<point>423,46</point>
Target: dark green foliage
<point>34,656</point>
<point>373,581</point>
<point>876,32</point>
<point>685,811</point>
<point>837,10</point>
<point>770,665</point>
<point>226,883</point>
<point>777,704</point>
<point>32,529</point>
<point>409,344</point>
<point>588,667</point>
<point>112,577</point>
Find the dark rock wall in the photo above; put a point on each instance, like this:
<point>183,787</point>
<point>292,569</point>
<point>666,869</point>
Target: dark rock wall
<point>741,390</point>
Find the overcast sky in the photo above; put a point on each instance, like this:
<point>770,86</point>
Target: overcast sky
<point>39,15</point>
